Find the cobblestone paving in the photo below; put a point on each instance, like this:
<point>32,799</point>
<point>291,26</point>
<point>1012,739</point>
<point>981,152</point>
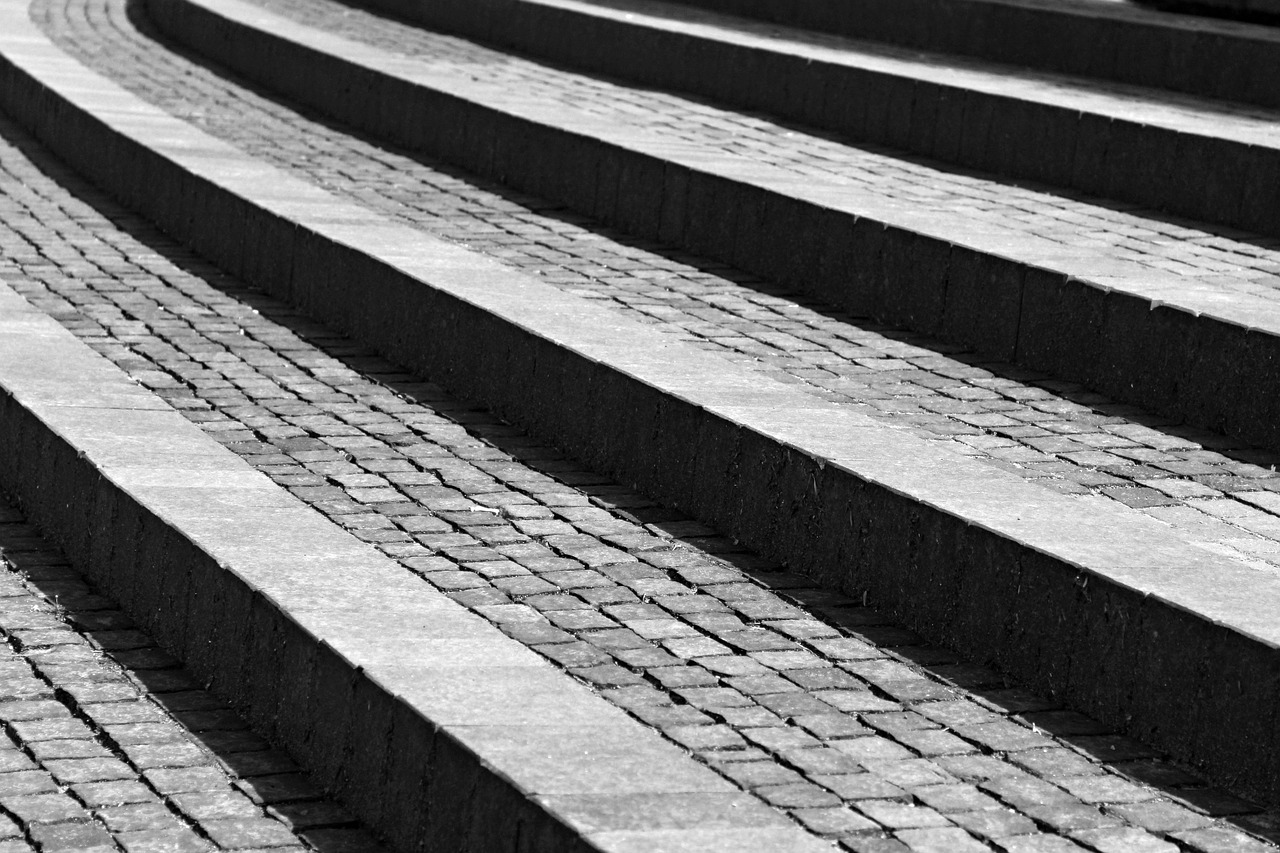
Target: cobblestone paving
<point>106,744</point>
<point>813,703</point>
<point>857,48</point>
<point>1054,433</point>
<point>1122,234</point>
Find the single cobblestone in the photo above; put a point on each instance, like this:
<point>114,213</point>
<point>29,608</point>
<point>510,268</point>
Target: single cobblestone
<point>88,756</point>
<point>807,699</point>
<point>1220,493</point>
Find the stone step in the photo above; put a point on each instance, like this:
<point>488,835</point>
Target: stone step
<point>431,724</point>
<point>977,262</point>
<point>109,743</point>
<point>1117,41</point>
<point>867,747</point>
<point>1182,155</point>
<point>1067,595</point>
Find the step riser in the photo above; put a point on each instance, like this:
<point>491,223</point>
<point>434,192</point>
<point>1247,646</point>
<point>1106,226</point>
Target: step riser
<point>1209,373</point>
<point>386,762</point>
<point>1113,158</point>
<point>392,767</point>
<point>1102,647</point>
<point>1171,54</point>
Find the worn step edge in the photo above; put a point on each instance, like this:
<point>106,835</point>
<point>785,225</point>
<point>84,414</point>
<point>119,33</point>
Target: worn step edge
<point>1184,348</point>
<point>1120,42</point>
<point>1065,595</point>
<point>1190,160</point>
<point>436,728</point>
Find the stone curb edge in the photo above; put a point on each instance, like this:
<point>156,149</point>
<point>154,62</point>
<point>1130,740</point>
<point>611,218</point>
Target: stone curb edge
<point>1153,340</point>
<point>1065,597</point>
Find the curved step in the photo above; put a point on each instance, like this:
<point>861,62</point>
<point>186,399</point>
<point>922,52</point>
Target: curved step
<point>1198,348</point>
<point>1123,42</point>
<point>1069,597</point>
<point>437,728</point>
<point>1211,162</point>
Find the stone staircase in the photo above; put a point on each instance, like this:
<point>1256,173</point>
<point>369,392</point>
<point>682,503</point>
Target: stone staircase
<point>982,355</point>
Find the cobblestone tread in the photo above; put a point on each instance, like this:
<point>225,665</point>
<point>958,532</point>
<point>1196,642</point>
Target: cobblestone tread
<point>1129,234</point>
<point>1054,433</point>
<point>107,744</point>
<point>1232,115</point>
<point>809,700</point>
